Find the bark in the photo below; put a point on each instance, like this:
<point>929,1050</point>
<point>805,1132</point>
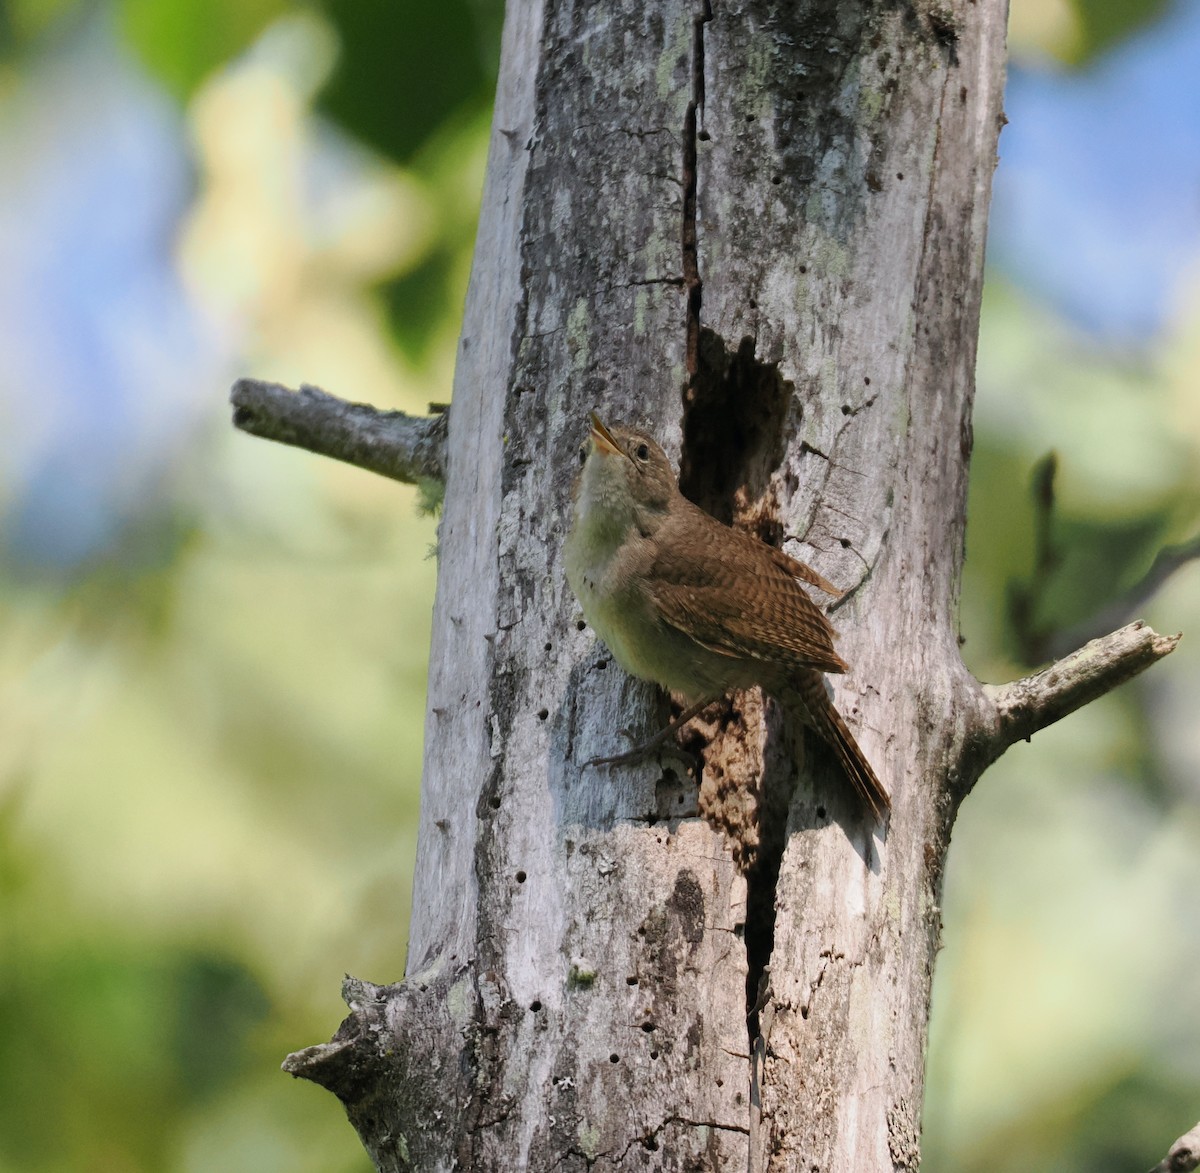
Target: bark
<point>1183,1156</point>
<point>405,448</point>
<point>757,229</point>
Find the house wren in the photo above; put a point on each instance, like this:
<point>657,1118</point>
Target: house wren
<point>694,605</point>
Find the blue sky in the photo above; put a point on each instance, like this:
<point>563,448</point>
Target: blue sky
<point>1097,197</point>
<point>103,360</point>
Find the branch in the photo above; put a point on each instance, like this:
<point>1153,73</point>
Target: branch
<point>1023,599</point>
<point>1039,643</point>
<point>404,447</point>
<point>1183,1156</point>
<point>1166,562</point>
<point>1027,705</point>
<point>348,1062</point>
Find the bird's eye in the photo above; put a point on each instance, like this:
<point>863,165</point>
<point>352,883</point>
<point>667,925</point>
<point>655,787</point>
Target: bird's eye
<point>582,455</point>
<point>643,452</point>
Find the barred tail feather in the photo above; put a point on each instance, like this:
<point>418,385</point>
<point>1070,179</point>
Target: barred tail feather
<point>828,724</point>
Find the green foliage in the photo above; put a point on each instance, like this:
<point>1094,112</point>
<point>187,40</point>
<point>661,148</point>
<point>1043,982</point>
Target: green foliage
<point>103,1034</point>
<point>183,41</point>
<point>1081,565</point>
<point>1050,543</point>
<point>406,68</point>
<point>1051,1009</point>
<point>416,301</point>
<point>1105,23</point>
<point>23,22</point>
<point>204,807</point>
<point>420,301</point>
<point>404,71</point>
<point>1075,32</point>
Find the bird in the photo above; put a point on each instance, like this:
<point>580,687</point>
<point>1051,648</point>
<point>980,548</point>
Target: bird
<point>694,605</point>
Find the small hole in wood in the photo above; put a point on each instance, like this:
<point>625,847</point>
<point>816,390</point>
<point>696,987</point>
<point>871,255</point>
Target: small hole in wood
<point>614,1058</point>
<point>520,877</point>
<point>631,980</point>
<point>494,802</point>
<point>543,714</point>
<point>534,1006</point>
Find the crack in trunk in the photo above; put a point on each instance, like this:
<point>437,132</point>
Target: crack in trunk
<point>691,263</point>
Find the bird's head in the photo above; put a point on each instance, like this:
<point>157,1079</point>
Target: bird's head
<point>625,474</point>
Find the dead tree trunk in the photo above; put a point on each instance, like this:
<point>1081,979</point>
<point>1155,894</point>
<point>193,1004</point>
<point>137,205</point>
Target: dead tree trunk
<point>757,229</point>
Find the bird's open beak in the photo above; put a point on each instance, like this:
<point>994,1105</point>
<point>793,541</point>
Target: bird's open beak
<point>602,438</point>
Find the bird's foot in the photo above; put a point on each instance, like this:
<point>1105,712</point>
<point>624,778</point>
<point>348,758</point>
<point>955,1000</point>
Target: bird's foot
<point>639,753</point>
<point>663,738</point>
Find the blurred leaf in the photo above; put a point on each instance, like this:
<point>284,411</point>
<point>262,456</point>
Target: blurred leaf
<point>22,22</point>
<point>1082,565</point>
<point>82,1036</point>
<point>1099,557</point>
<point>1103,23</point>
<point>272,1125</point>
<point>417,302</point>
<point>405,68</point>
<point>999,545</point>
<point>216,1004</point>
<point>422,300</point>
<point>1110,1126</point>
<point>183,41</point>
<point>1076,31</point>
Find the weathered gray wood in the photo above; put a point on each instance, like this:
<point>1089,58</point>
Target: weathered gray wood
<point>844,198</point>
<point>757,230</point>
<point>411,449</point>
<point>575,995</point>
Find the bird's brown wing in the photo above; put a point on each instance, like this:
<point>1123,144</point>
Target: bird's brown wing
<point>740,597</point>
<point>801,570</point>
